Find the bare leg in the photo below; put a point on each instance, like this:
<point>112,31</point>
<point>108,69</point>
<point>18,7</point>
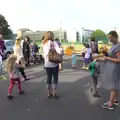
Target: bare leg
<point>113,96</point>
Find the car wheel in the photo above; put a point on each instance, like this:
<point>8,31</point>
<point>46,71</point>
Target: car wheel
<point>7,55</point>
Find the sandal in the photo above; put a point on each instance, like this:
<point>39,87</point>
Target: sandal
<point>55,96</point>
<point>49,96</point>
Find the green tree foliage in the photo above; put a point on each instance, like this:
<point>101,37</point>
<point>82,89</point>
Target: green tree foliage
<point>5,29</point>
<point>100,36</point>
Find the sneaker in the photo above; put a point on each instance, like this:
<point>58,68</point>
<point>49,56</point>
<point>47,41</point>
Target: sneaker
<point>55,96</point>
<point>116,103</point>
<point>26,79</point>
<point>107,106</point>
<point>49,96</point>
<point>10,97</point>
<point>22,93</point>
<point>84,67</point>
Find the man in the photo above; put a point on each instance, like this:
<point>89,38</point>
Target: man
<point>94,45</point>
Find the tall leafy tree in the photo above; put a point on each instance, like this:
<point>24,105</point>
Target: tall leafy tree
<point>100,36</point>
<point>5,29</point>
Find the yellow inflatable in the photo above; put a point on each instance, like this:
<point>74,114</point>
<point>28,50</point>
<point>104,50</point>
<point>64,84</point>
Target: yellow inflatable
<point>69,50</point>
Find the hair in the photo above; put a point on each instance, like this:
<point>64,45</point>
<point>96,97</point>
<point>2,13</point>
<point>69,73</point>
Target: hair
<point>42,37</point>
<point>48,36</point>
<point>28,39</point>
<point>92,38</point>
<point>17,42</point>
<point>57,39</point>
<point>113,34</point>
<point>84,44</point>
<point>10,62</point>
<point>87,45</point>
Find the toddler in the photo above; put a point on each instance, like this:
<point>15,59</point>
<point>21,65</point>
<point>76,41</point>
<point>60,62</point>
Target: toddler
<point>74,60</point>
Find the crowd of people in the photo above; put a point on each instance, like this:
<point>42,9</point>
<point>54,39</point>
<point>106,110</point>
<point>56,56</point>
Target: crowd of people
<point>106,67</point>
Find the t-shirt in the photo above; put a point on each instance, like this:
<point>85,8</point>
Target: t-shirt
<point>18,51</point>
<point>88,53</point>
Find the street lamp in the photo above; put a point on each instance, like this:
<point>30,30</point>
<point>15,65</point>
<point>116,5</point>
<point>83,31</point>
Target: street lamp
<point>60,30</point>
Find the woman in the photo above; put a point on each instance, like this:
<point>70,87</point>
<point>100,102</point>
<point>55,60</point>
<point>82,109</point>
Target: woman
<point>52,69</point>
<point>17,47</point>
<point>110,71</point>
<point>26,50</point>
<point>18,52</point>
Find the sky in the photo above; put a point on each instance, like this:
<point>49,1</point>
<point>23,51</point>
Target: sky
<point>69,14</point>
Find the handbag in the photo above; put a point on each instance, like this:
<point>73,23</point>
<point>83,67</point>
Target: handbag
<point>53,56</point>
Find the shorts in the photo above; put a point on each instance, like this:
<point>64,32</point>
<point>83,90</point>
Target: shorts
<point>87,60</point>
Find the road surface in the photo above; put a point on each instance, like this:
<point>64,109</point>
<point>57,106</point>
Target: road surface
<point>75,103</point>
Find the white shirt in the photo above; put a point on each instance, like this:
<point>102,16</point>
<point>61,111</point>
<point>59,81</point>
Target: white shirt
<point>22,41</point>
<point>17,51</point>
<point>88,53</point>
<point>46,48</point>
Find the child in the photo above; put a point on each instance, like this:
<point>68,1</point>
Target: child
<point>94,69</point>
<point>13,69</point>
<point>74,60</point>
<point>21,61</point>
<point>87,57</point>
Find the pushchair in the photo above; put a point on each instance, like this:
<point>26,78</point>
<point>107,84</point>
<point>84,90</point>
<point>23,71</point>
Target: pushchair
<point>36,57</point>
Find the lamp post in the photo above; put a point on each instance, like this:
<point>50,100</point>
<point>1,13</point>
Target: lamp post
<point>60,30</point>
<point>82,31</point>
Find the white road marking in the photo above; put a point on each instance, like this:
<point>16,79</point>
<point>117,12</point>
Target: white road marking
<point>90,97</point>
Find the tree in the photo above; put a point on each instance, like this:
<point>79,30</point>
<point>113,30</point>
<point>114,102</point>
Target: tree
<point>100,36</point>
<point>5,29</point>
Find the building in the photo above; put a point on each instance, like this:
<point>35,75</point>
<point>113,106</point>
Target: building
<point>73,35</point>
<point>37,35</point>
<point>86,34</point>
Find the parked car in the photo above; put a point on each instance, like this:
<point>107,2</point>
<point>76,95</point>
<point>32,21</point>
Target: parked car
<point>9,48</point>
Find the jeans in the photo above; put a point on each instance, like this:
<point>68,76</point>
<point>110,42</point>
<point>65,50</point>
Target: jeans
<point>94,84</point>
<point>14,81</point>
<point>52,72</point>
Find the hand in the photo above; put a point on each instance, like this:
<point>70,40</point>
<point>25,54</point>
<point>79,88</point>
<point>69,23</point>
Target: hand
<point>95,60</point>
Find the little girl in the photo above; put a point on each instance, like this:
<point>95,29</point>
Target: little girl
<point>74,60</point>
<point>87,57</point>
<point>13,69</point>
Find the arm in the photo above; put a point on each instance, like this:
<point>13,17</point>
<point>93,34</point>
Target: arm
<point>18,65</point>
<point>116,60</point>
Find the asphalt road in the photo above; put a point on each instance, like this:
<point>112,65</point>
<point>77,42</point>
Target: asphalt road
<point>75,102</point>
